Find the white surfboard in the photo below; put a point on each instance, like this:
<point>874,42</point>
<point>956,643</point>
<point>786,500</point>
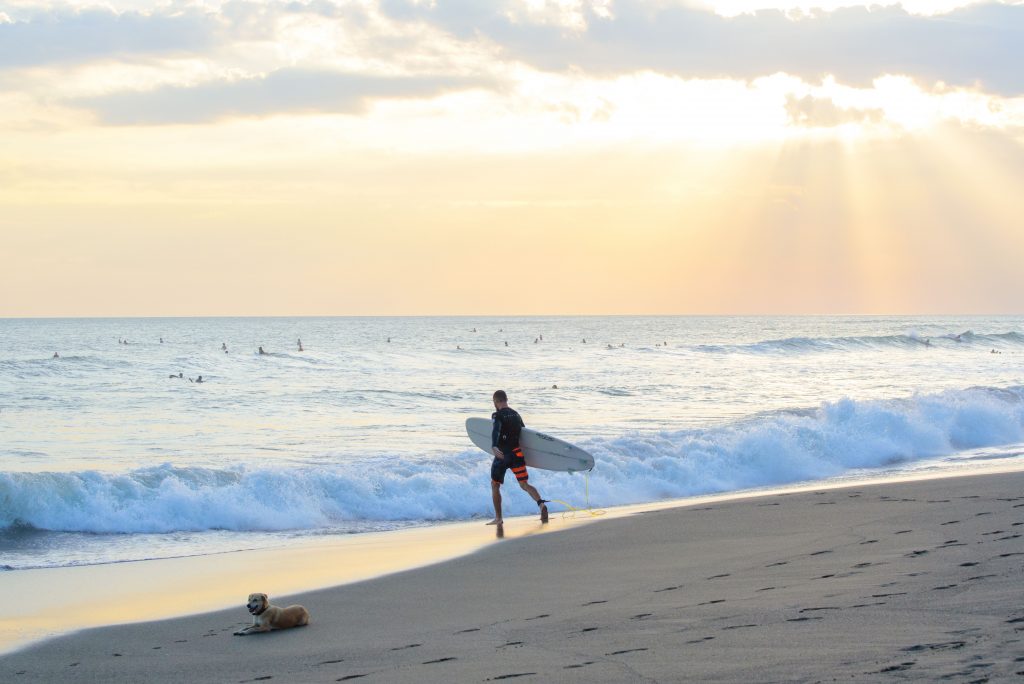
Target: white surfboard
<point>539,450</point>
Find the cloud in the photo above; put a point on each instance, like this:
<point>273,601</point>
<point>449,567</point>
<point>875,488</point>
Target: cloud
<point>282,91</point>
<point>976,45</point>
<point>815,112</point>
<point>88,34</point>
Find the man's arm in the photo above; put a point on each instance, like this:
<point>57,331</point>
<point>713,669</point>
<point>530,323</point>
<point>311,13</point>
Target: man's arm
<point>495,432</point>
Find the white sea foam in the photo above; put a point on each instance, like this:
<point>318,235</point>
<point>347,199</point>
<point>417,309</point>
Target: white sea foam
<point>769,449</point>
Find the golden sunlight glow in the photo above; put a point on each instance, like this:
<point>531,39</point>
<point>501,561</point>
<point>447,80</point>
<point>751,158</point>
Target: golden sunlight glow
<point>634,190</point>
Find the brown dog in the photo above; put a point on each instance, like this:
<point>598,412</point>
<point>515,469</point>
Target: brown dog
<point>266,617</point>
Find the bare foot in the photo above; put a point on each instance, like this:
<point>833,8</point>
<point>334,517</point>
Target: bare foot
<point>496,521</point>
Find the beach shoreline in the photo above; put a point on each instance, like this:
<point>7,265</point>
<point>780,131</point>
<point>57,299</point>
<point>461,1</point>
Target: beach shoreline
<point>866,556</point>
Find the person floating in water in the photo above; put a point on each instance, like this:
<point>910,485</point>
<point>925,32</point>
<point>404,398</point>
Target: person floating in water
<point>179,375</point>
<point>300,345</point>
<point>224,346</point>
<point>198,380</point>
<point>56,355</point>
<point>261,352</point>
<point>389,340</point>
<point>506,343</point>
<point>507,425</point>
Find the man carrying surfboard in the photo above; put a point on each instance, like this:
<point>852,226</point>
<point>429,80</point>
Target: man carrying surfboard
<point>507,425</point>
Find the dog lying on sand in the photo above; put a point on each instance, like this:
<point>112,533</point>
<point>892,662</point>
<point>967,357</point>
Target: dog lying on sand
<point>266,617</point>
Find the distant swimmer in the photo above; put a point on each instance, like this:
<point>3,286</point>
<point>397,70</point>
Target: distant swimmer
<point>179,375</point>
<point>161,340</point>
<point>507,424</point>
<point>610,346</point>
<point>198,380</point>
<point>261,352</point>
<point>300,345</point>
<point>541,338</point>
<point>535,340</point>
<point>506,343</point>
<point>474,330</point>
<point>554,387</point>
<point>57,356</point>
<point>458,347</point>
<point>584,340</point>
<point>389,340</point>
<point>224,346</point>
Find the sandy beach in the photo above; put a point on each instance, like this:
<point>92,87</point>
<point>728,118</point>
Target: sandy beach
<point>916,580</point>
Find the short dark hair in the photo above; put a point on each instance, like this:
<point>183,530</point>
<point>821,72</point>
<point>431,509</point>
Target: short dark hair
<point>500,396</point>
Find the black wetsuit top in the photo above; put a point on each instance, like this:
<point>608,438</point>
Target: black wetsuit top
<point>507,424</point>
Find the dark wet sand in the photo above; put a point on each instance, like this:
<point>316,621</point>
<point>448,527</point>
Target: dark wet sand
<point>919,580</point>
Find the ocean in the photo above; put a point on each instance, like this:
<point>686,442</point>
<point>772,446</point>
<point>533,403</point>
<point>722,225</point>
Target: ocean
<point>105,458</point>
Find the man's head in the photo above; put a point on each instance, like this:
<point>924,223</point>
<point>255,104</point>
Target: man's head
<point>500,399</point>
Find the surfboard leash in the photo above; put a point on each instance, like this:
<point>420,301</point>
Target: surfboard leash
<point>571,510</point>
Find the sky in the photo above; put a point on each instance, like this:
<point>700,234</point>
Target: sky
<point>499,157</point>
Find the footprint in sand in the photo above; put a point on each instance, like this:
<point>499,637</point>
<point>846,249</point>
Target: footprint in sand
<point>511,676</point>
<point>944,646</point>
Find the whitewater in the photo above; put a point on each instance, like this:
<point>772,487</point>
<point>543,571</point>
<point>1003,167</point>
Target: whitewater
<point>104,457</point>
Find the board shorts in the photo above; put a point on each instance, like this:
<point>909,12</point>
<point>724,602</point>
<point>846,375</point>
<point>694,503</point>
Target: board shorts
<point>516,462</point>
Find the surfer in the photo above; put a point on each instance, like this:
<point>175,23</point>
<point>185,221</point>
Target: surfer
<point>57,356</point>
<point>507,424</point>
<point>300,345</point>
<point>261,352</point>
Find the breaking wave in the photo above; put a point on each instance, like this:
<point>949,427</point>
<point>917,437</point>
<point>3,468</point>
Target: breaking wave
<point>763,450</point>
